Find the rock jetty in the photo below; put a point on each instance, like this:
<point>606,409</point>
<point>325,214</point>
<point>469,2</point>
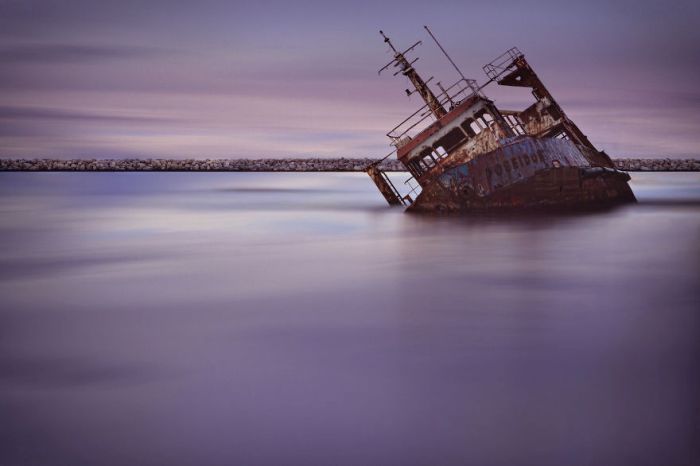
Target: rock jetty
<point>658,165</point>
<point>236,165</point>
<point>277,165</point>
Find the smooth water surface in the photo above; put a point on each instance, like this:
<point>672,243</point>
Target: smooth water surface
<point>255,319</point>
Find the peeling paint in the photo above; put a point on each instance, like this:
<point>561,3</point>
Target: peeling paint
<point>476,156</point>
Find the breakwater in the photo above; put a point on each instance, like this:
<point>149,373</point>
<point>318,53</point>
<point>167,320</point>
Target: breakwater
<point>277,165</point>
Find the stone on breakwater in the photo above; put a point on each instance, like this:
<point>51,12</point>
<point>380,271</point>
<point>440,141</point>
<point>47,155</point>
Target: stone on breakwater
<point>657,165</point>
<point>277,165</point>
<point>244,165</point>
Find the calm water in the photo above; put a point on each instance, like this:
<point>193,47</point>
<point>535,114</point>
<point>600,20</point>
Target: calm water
<point>255,319</point>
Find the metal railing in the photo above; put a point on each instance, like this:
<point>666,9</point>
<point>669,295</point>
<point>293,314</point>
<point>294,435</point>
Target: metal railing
<point>501,63</point>
<point>395,191</point>
<point>466,88</point>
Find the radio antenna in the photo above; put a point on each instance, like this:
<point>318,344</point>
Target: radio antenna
<point>443,51</point>
<point>406,68</point>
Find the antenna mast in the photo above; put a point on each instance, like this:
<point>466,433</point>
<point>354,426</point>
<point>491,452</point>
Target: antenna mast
<point>444,52</point>
<point>470,82</point>
<point>407,70</point>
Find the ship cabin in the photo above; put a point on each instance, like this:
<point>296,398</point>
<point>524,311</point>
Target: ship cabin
<point>472,127</point>
<point>467,123</point>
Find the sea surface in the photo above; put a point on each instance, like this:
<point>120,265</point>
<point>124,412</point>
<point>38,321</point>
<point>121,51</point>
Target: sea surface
<point>295,319</point>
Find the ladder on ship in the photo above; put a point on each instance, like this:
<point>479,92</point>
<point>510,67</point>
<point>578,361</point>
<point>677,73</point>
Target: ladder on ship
<point>386,187</point>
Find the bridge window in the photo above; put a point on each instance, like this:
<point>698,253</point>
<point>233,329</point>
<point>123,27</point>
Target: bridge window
<point>487,118</point>
<point>484,119</point>
<point>424,153</point>
<point>440,152</point>
<point>515,123</point>
<point>429,161</point>
<point>467,128</point>
<point>452,139</point>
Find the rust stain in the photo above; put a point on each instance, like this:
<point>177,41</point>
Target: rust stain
<point>476,156</point>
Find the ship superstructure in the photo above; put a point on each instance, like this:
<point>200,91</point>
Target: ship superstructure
<point>464,153</point>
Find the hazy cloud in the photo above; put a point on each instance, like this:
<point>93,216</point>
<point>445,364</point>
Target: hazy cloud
<point>277,77</point>
<point>43,113</point>
<point>69,53</point>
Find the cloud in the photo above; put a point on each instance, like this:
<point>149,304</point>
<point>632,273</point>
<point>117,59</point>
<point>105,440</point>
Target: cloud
<point>69,53</point>
<point>43,113</point>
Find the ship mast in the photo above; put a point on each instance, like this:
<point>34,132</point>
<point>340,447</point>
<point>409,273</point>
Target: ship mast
<point>406,68</point>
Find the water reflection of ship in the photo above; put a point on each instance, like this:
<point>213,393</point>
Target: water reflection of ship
<point>475,156</point>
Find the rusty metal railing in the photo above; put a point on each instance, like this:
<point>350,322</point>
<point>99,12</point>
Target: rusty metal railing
<point>399,134</point>
<point>398,195</point>
<point>467,88</point>
<point>501,63</point>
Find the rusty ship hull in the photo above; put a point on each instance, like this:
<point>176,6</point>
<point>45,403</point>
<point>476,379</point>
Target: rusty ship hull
<point>525,173</point>
<point>477,156</point>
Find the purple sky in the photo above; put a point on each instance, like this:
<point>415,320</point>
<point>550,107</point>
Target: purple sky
<point>279,78</point>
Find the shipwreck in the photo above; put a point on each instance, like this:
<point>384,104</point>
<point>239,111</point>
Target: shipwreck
<point>465,154</point>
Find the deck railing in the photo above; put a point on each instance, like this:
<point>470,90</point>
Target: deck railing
<point>455,94</point>
<point>501,63</point>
